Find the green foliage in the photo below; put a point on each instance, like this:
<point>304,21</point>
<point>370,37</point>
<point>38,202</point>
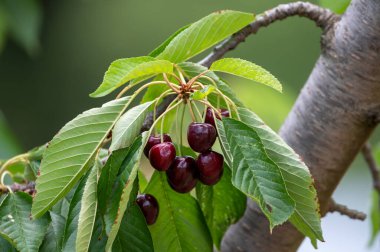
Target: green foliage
<point>127,178</point>
<point>255,174</point>
<point>299,183</point>
<point>180,224</point>
<point>128,126</point>
<point>15,224</point>
<point>192,41</point>
<point>246,70</point>
<point>71,152</point>
<point>124,70</point>
<point>203,93</point>
<point>87,212</point>
<point>222,205</point>
<point>133,228</point>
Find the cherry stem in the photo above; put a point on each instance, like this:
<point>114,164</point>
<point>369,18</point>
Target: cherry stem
<point>171,85</point>
<point>209,105</point>
<point>181,128</point>
<point>164,94</point>
<point>191,112</point>
<point>191,82</point>
<point>180,73</point>
<point>140,89</point>
<point>176,77</point>
<point>196,108</point>
<point>170,107</point>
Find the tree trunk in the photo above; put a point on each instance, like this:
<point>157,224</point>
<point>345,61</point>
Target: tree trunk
<point>333,116</point>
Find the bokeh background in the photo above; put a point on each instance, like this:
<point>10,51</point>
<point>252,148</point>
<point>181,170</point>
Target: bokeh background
<point>54,53</point>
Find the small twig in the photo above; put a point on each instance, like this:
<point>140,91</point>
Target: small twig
<point>368,157</point>
<point>344,210</point>
<point>322,17</point>
<point>27,188</point>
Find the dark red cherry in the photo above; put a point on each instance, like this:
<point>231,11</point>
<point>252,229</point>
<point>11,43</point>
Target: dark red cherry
<point>210,118</point>
<point>210,167</point>
<point>201,136</point>
<point>182,174</point>
<point>153,140</point>
<point>162,155</point>
<point>149,206</point>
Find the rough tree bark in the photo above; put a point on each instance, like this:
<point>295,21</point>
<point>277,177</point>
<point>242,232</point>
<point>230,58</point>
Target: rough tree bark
<point>332,118</point>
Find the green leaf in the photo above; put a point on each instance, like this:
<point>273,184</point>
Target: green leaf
<point>205,33</point>
<point>255,174</point>
<point>142,180</point>
<point>31,170</point>
<point>58,225</point>
<point>71,152</point>
<point>16,226</point>
<point>162,47</point>
<point>223,142</point>
<point>133,228</point>
<point>128,127</point>
<point>297,177</point>
<point>108,176</point>
<point>124,70</point>
<point>203,93</point>
<point>87,213</point>
<point>71,225</point>
<point>248,70</point>
<point>6,246</point>
<point>221,204</point>
<point>127,178</point>
<point>193,69</point>
<point>375,216</point>
<point>180,225</point>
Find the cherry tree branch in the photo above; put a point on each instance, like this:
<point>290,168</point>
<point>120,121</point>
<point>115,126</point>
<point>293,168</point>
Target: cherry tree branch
<point>344,210</point>
<point>368,157</point>
<point>322,17</point>
<point>27,188</point>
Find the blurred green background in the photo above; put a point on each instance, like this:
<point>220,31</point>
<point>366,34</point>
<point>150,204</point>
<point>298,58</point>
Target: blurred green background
<point>54,53</point>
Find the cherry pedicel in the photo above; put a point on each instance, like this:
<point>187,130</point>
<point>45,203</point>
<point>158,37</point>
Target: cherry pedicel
<point>210,118</point>
<point>162,155</point>
<point>182,174</point>
<point>210,167</point>
<point>153,140</point>
<point>149,206</point>
<point>201,136</point>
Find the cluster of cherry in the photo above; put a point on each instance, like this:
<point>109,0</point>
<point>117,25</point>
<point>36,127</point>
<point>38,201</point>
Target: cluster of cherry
<point>183,171</point>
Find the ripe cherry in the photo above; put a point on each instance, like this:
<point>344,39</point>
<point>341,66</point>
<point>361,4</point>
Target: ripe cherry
<point>210,118</point>
<point>149,207</point>
<point>201,136</point>
<point>182,174</point>
<point>162,155</point>
<point>153,140</point>
<point>210,167</point>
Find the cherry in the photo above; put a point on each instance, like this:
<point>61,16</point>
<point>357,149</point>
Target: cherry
<point>182,174</point>
<point>201,136</point>
<point>210,118</point>
<point>210,167</point>
<point>149,206</point>
<point>153,140</point>
<point>162,155</point>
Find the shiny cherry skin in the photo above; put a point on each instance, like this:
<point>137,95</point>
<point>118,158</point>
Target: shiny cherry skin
<point>182,174</point>
<point>162,155</point>
<point>201,136</point>
<point>149,207</point>
<point>153,140</point>
<point>210,167</point>
<point>209,118</point>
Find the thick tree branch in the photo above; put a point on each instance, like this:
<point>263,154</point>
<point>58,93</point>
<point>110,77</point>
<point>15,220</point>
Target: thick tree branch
<point>368,157</point>
<point>322,17</point>
<point>27,188</point>
<point>344,210</point>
